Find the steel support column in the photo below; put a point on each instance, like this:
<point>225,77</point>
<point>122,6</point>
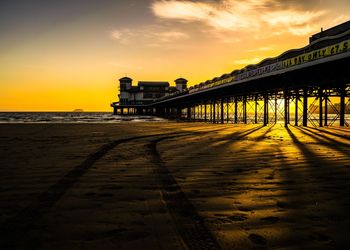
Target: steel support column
<point>236,110</point>
<point>342,107</point>
<point>227,110</point>
<point>256,110</point>
<point>179,112</point>
<point>214,112</point>
<point>288,107</point>
<point>266,110</point>
<point>222,111</point>
<point>320,106</point>
<point>305,107</point>
<point>286,104</point>
<point>276,107</point>
<point>296,107</point>
<point>210,112</point>
<point>205,112</point>
<point>194,112</point>
<point>325,109</point>
<point>189,113</point>
<point>201,105</point>
<point>245,110</point>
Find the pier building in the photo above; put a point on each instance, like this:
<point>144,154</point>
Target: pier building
<point>144,93</point>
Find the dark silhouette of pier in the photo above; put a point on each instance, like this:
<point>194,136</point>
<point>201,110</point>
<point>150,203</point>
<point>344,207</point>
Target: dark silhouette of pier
<point>306,86</point>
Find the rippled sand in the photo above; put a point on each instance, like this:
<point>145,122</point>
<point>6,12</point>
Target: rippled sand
<point>174,186</point>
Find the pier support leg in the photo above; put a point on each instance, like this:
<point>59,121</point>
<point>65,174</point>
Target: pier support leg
<point>288,108</point>
<point>222,111</point>
<point>286,104</point>
<point>342,107</point>
<point>201,111</point>
<point>236,109</point>
<point>305,107</point>
<point>245,110</point>
<point>296,107</point>
<point>214,112</point>
<point>189,113</point>
<point>320,106</point>
<point>179,112</point>
<point>194,113</point>
<point>325,109</point>
<point>256,110</point>
<point>227,110</point>
<point>266,110</point>
<point>276,107</point>
<point>205,112</point>
<point>210,112</point>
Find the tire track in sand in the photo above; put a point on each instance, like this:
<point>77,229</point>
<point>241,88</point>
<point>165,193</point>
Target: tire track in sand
<point>16,228</point>
<point>189,224</point>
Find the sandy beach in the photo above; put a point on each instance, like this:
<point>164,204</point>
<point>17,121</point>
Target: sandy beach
<point>174,186</point>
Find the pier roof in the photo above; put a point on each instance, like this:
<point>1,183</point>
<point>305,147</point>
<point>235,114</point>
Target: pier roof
<point>153,83</point>
<point>125,79</point>
<point>331,31</point>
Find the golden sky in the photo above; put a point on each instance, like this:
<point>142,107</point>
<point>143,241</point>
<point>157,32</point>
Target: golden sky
<point>61,56</point>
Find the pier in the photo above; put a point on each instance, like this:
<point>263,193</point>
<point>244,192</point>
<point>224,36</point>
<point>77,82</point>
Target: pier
<point>306,86</point>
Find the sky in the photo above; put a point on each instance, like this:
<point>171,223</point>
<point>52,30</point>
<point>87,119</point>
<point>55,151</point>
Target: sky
<point>69,54</point>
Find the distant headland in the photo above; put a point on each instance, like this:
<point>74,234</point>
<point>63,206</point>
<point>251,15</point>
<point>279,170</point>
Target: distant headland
<point>78,110</point>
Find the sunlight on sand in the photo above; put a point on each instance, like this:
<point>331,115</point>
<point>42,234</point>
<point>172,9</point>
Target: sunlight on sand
<point>242,186</point>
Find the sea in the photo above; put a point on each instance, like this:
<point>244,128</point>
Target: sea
<point>108,117</point>
<point>72,117</point>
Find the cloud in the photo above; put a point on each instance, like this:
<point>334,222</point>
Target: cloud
<point>116,34</point>
<point>302,30</point>
<point>248,61</point>
<point>170,36</point>
<point>290,17</point>
<point>182,10</point>
<point>339,19</point>
<point>236,15</point>
<point>216,15</point>
<point>267,48</point>
<point>298,23</point>
<point>122,36</point>
<point>153,36</point>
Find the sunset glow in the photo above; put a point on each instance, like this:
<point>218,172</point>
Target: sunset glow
<point>61,56</point>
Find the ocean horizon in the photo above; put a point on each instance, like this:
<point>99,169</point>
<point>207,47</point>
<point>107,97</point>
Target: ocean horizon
<point>72,117</point>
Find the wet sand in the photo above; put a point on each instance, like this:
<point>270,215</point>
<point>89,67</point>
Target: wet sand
<point>173,186</point>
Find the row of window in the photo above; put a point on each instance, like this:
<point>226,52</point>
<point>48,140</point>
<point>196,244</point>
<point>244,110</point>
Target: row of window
<point>152,95</point>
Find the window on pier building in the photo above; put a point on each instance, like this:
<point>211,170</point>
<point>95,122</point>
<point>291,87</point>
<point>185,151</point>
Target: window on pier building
<point>154,88</point>
<point>122,87</point>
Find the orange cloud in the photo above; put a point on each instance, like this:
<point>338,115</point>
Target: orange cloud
<point>150,35</point>
<point>236,15</point>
